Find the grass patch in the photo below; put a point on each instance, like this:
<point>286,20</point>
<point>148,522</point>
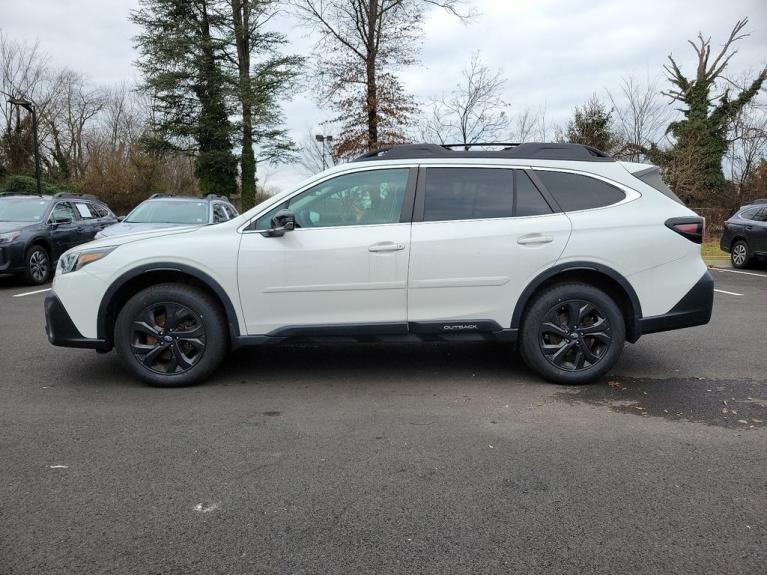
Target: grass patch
<point>710,250</point>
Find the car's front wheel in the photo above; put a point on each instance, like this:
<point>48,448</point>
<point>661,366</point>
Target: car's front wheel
<point>740,254</point>
<point>38,266</point>
<point>171,335</point>
<point>572,333</point>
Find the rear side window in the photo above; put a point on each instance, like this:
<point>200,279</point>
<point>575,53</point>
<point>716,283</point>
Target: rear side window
<point>468,194</point>
<point>576,192</point>
<point>85,211</point>
<point>651,177</point>
<point>749,214</point>
<point>99,211</point>
<point>530,202</point>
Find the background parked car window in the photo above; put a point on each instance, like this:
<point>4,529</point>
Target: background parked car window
<point>468,194</point>
<point>22,209</point>
<point>575,192</point>
<point>530,202</point>
<point>98,210</point>
<point>749,214</point>
<point>170,212</point>
<point>85,211</point>
<point>230,211</point>
<point>219,214</point>
<point>364,198</point>
<point>63,211</point>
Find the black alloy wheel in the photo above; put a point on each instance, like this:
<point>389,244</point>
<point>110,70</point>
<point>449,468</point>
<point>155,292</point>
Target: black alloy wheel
<point>171,335</point>
<point>168,338</point>
<point>575,335</point>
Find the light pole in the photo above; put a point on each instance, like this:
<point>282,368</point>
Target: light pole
<point>325,141</point>
<point>30,107</point>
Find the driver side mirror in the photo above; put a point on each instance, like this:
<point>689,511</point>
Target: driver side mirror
<point>283,221</point>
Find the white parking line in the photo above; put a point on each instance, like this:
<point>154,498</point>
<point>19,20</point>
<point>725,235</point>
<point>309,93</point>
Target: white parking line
<point>740,272</point>
<point>32,292</point>
<point>727,292</point>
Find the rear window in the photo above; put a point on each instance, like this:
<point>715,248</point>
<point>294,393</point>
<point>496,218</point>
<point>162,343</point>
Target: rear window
<point>651,177</point>
<point>576,192</point>
<point>170,212</point>
<point>468,194</point>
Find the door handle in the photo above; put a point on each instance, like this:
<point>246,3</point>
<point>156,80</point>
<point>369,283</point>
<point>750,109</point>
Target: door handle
<point>749,227</point>
<point>386,247</point>
<point>534,239</point>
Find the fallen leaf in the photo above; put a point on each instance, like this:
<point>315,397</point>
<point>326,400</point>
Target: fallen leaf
<point>614,384</point>
<point>743,421</point>
<point>757,420</point>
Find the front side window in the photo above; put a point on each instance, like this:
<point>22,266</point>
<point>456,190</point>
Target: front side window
<point>63,211</point>
<point>169,212</point>
<point>576,192</point>
<point>468,194</point>
<point>364,198</point>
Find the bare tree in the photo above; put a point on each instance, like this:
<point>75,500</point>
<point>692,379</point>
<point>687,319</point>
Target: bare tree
<point>747,136</point>
<point>474,111</point>
<point>362,44</point>
<point>317,156</point>
<point>529,126</point>
<point>639,116</point>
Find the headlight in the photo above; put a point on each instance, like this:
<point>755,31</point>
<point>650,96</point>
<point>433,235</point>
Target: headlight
<point>9,237</point>
<point>73,261</point>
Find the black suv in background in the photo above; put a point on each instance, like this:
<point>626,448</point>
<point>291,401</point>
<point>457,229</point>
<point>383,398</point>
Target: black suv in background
<point>36,230</point>
<point>745,234</point>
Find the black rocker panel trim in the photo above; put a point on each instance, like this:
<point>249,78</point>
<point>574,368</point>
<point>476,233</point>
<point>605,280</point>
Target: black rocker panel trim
<point>456,330</point>
<point>103,316</point>
<point>527,293</point>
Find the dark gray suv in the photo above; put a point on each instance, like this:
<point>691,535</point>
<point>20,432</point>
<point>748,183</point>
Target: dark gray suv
<point>745,234</point>
<point>36,230</point>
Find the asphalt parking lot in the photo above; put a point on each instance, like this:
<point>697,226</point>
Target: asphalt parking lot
<point>437,458</point>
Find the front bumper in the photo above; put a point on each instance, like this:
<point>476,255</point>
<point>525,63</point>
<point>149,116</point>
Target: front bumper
<point>693,309</point>
<point>12,257</point>
<point>61,330</point>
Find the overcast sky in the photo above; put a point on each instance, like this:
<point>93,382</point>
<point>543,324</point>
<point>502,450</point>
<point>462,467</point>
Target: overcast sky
<point>553,54</point>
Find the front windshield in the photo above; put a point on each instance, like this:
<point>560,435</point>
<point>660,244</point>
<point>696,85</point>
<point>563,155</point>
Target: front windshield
<point>22,209</point>
<point>169,212</point>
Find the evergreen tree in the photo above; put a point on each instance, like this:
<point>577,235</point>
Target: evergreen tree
<point>593,126</point>
<point>181,61</point>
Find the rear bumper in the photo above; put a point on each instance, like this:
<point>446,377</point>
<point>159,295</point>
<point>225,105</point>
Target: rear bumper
<point>61,329</point>
<point>693,309</point>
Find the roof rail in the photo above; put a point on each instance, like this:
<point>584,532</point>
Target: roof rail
<point>74,195</point>
<point>529,150</point>
<point>160,195</point>
<point>217,197</point>
<point>5,194</point>
<point>756,202</point>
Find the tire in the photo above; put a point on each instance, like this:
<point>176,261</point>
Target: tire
<point>37,269</point>
<point>740,254</point>
<point>176,355</point>
<point>562,355</point>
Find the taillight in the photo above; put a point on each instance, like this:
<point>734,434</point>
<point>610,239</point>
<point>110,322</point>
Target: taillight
<point>691,228</point>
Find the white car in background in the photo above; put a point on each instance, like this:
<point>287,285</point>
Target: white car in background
<point>555,248</point>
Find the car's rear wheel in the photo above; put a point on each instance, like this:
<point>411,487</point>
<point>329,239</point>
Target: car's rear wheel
<point>171,335</point>
<point>38,266</point>
<point>572,333</point>
<point>740,254</point>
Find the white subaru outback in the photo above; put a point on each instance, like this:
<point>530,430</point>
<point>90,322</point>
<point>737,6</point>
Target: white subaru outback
<point>555,248</point>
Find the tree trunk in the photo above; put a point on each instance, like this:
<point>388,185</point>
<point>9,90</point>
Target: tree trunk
<point>370,70</point>
<point>241,19</point>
